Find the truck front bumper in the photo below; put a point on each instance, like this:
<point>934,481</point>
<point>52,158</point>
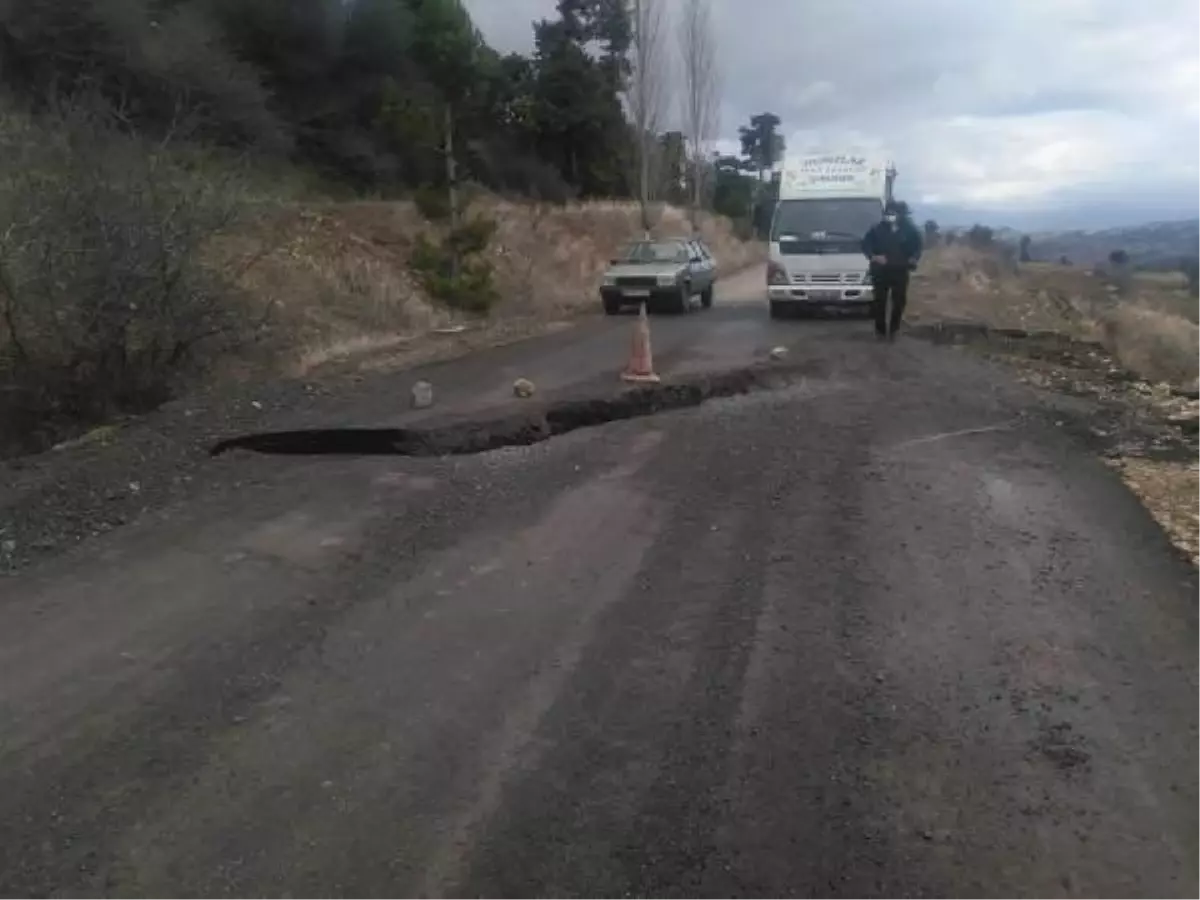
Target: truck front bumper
<point>820,296</point>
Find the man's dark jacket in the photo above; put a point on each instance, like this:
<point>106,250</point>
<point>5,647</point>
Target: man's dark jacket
<point>902,247</point>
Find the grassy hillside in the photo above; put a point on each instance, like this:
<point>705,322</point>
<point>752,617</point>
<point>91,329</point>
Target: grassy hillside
<point>1147,320</point>
<point>1159,245</point>
<point>339,283</point>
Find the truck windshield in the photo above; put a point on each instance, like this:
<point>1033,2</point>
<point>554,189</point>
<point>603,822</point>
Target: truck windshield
<point>838,218</point>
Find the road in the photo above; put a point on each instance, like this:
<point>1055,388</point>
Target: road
<point>885,631</point>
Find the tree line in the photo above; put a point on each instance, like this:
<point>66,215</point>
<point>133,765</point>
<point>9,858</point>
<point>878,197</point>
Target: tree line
<point>369,93</point>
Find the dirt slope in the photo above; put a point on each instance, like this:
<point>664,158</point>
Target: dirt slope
<point>340,287</point>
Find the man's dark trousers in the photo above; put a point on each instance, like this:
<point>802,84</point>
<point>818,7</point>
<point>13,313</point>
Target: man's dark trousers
<point>891,280</point>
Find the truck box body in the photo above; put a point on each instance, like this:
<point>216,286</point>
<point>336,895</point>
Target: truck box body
<point>827,202</point>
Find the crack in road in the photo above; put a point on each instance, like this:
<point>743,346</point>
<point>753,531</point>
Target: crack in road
<point>524,428</point>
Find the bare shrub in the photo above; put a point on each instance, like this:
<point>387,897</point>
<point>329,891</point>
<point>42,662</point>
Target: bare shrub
<point>105,300</point>
<point>981,237</point>
<point>1156,345</point>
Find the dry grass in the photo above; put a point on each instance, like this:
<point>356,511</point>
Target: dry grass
<point>1169,280</point>
<point>1151,329</point>
<point>339,286</point>
<point>1168,490</point>
<point>338,283</point>
<point>1156,345</point>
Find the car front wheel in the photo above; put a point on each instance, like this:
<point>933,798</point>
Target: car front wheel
<point>683,299</point>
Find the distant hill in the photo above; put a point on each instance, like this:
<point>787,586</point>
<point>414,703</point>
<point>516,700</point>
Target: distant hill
<point>1156,245</point>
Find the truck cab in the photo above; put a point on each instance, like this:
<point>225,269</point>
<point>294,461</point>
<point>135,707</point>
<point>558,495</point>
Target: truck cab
<point>827,202</point>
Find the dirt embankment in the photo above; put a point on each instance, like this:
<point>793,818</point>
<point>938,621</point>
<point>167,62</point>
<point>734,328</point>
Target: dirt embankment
<point>1122,351</point>
<point>340,288</point>
<point>1147,322</point>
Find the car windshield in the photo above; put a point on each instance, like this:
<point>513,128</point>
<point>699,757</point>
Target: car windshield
<point>836,218</point>
<point>654,252</point>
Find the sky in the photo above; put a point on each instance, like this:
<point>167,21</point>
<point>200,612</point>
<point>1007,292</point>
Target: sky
<point>1034,114</point>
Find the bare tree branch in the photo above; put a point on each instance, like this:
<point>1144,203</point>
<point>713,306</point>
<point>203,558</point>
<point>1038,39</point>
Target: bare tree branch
<point>701,106</point>
<point>645,94</point>
<point>103,289</point>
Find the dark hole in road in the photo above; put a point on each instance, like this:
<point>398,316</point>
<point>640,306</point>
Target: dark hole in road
<point>519,429</point>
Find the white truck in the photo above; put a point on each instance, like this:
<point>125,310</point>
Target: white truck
<point>827,202</point>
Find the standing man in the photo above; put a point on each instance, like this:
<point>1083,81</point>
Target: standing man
<point>894,248</point>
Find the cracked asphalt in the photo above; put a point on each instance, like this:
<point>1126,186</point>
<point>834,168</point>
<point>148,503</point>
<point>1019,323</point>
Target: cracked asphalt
<point>888,631</point>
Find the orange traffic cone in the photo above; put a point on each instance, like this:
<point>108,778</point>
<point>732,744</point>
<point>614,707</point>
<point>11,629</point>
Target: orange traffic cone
<point>641,365</point>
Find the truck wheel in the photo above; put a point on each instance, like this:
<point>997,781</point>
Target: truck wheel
<point>707,297</point>
<point>777,309</point>
<point>612,306</point>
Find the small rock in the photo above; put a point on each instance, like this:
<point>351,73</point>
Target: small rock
<point>523,387</point>
<point>778,352</point>
<point>422,395</point>
<point>256,404</point>
<point>8,547</point>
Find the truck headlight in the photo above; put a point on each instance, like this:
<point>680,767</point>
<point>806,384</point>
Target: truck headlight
<point>666,280</point>
<point>609,280</point>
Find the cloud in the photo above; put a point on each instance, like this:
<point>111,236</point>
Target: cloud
<point>998,111</point>
<point>508,24</point>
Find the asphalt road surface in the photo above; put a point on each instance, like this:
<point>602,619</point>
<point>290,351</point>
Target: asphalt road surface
<point>885,631</point>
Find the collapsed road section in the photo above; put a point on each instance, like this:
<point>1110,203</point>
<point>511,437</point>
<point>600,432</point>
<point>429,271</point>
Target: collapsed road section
<point>518,429</point>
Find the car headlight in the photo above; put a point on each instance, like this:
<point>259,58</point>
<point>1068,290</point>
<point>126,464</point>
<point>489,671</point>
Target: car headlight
<point>664,280</point>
